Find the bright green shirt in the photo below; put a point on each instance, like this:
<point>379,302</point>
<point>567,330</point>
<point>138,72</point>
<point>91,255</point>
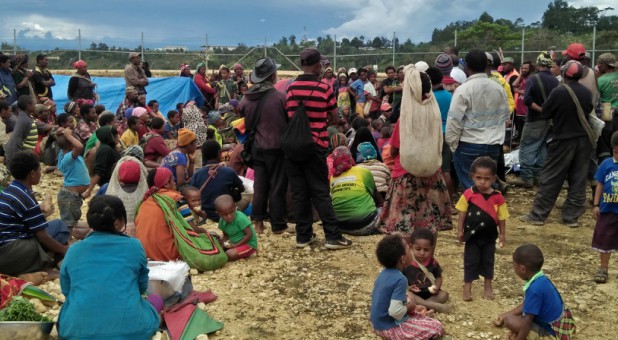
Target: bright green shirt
<point>352,194</point>
<point>608,88</point>
<point>235,231</point>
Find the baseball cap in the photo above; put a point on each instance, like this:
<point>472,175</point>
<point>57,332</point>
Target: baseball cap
<point>575,51</point>
<point>134,55</point>
<point>607,59</point>
<point>508,60</point>
<point>38,108</point>
<point>310,56</point>
<point>490,58</point>
<point>352,70</point>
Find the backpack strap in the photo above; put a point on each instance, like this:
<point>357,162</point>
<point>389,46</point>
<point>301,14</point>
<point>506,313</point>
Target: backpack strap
<point>538,80</point>
<point>212,173</point>
<point>582,116</point>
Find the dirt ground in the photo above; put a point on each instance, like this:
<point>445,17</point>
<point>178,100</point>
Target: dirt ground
<point>314,293</point>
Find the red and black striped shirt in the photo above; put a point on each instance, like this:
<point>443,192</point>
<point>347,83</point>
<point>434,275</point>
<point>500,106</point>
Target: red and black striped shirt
<point>319,100</point>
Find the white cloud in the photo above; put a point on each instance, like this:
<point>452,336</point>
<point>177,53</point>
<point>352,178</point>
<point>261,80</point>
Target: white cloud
<point>35,25</point>
<point>601,4</point>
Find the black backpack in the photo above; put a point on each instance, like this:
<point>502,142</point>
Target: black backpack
<point>297,141</point>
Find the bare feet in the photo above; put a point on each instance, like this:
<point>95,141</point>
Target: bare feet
<point>467,292</point>
<point>259,227</point>
<point>489,292</point>
<point>35,278</point>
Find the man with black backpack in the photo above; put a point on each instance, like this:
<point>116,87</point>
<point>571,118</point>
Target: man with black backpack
<point>310,105</point>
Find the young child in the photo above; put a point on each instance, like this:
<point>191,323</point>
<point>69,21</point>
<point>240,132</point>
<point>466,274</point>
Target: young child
<point>385,137</point>
<point>376,127</point>
<point>193,198</point>
<point>239,238</point>
<point>424,272</point>
<point>76,178</point>
<point>173,124</point>
<point>482,210</point>
<point>393,315</point>
<point>244,87</point>
<point>107,270</point>
<point>226,88</point>
<point>605,211</point>
<point>131,136</point>
<point>542,314</point>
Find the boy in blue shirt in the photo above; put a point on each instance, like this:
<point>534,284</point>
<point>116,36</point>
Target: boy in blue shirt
<point>239,238</point>
<point>173,124</point>
<point>542,314</point>
<point>76,178</point>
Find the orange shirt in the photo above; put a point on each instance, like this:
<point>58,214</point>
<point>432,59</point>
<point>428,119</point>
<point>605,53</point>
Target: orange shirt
<point>153,232</point>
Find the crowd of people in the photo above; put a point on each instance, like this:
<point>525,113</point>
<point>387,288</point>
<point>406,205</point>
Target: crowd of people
<point>158,178</point>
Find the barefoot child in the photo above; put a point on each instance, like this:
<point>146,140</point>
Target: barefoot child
<point>482,210</point>
<point>239,237</point>
<point>424,273</point>
<point>76,179</point>
<point>542,315</point>
<point>193,197</point>
<point>605,211</point>
<point>393,316</point>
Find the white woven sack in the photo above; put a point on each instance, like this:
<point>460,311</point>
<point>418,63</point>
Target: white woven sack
<point>420,128</point>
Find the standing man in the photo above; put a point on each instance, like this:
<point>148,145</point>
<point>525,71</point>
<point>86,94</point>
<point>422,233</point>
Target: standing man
<point>568,152</point>
<point>577,51</point>
<point>134,74</point>
<point>477,118</point>
<point>519,88</point>
<point>608,95</point>
<point>271,181</point>
<point>8,89</point>
<point>533,147</point>
<point>42,79</point>
<point>309,179</point>
<point>509,72</point>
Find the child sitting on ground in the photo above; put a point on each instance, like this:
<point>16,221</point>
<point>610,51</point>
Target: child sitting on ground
<point>193,197</point>
<point>76,179</point>
<point>393,315</point>
<point>385,137</point>
<point>173,124</point>
<point>542,314</point>
<point>131,136</point>
<point>376,127</point>
<point>605,211</point>
<point>482,210</point>
<point>424,272</point>
<point>239,238</point>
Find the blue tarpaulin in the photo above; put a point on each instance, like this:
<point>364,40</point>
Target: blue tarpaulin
<point>167,91</point>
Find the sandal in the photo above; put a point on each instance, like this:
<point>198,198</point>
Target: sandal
<point>600,276</point>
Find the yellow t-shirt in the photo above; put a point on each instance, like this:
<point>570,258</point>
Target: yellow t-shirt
<point>129,138</point>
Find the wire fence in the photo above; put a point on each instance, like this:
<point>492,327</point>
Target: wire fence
<point>522,46</point>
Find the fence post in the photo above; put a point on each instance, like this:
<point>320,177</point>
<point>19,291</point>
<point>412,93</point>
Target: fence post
<point>206,53</point>
<point>265,48</point>
<point>79,44</point>
<point>394,37</point>
<point>455,39</point>
<point>335,54</point>
<point>142,46</point>
<point>594,43</point>
<point>523,44</point>
<point>14,41</point>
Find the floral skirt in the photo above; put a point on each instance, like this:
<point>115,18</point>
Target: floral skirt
<point>416,202</point>
<point>415,327</point>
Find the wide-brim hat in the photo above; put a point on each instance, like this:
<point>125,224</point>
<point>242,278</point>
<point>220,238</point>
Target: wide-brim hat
<point>264,68</point>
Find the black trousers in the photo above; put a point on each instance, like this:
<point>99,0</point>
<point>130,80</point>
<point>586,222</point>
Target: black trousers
<point>479,259</point>
<point>566,160</point>
<point>269,187</point>
<point>309,182</point>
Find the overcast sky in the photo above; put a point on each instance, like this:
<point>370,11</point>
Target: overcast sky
<point>51,23</point>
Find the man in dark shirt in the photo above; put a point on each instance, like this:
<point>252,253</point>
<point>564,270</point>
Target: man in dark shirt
<point>271,181</point>
<point>309,179</point>
<point>569,151</point>
<point>42,78</point>
<point>533,150</point>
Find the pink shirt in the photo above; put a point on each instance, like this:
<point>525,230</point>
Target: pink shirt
<point>398,170</point>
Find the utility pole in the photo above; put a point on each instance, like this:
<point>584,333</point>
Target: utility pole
<point>14,41</point>
<point>455,38</point>
<point>79,44</point>
<point>394,37</point>
<point>265,52</point>
<point>142,46</point>
<point>594,43</point>
<point>335,54</point>
<point>206,49</point>
<point>523,44</point>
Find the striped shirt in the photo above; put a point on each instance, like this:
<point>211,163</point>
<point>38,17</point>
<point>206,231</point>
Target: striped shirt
<point>20,214</point>
<point>319,100</point>
<point>31,138</point>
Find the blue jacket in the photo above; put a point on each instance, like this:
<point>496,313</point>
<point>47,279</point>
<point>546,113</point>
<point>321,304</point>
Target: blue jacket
<point>7,85</point>
<point>103,279</point>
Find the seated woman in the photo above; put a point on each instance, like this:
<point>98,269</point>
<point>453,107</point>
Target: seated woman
<point>336,141</point>
<point>181,161</point>
<point>105,159</point>
<point>128,183</point>
<point>381,173</point>
<point>103,279</point>
<point>354,195</point>
<point>164,232</point>
<point>215,180</point>
<point>363,135</point>
<point>25,235</point>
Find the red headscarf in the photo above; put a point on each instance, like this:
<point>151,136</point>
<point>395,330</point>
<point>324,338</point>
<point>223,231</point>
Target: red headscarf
<point>79,64</point>
<point>342,160</point>
<point>161,178</point>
